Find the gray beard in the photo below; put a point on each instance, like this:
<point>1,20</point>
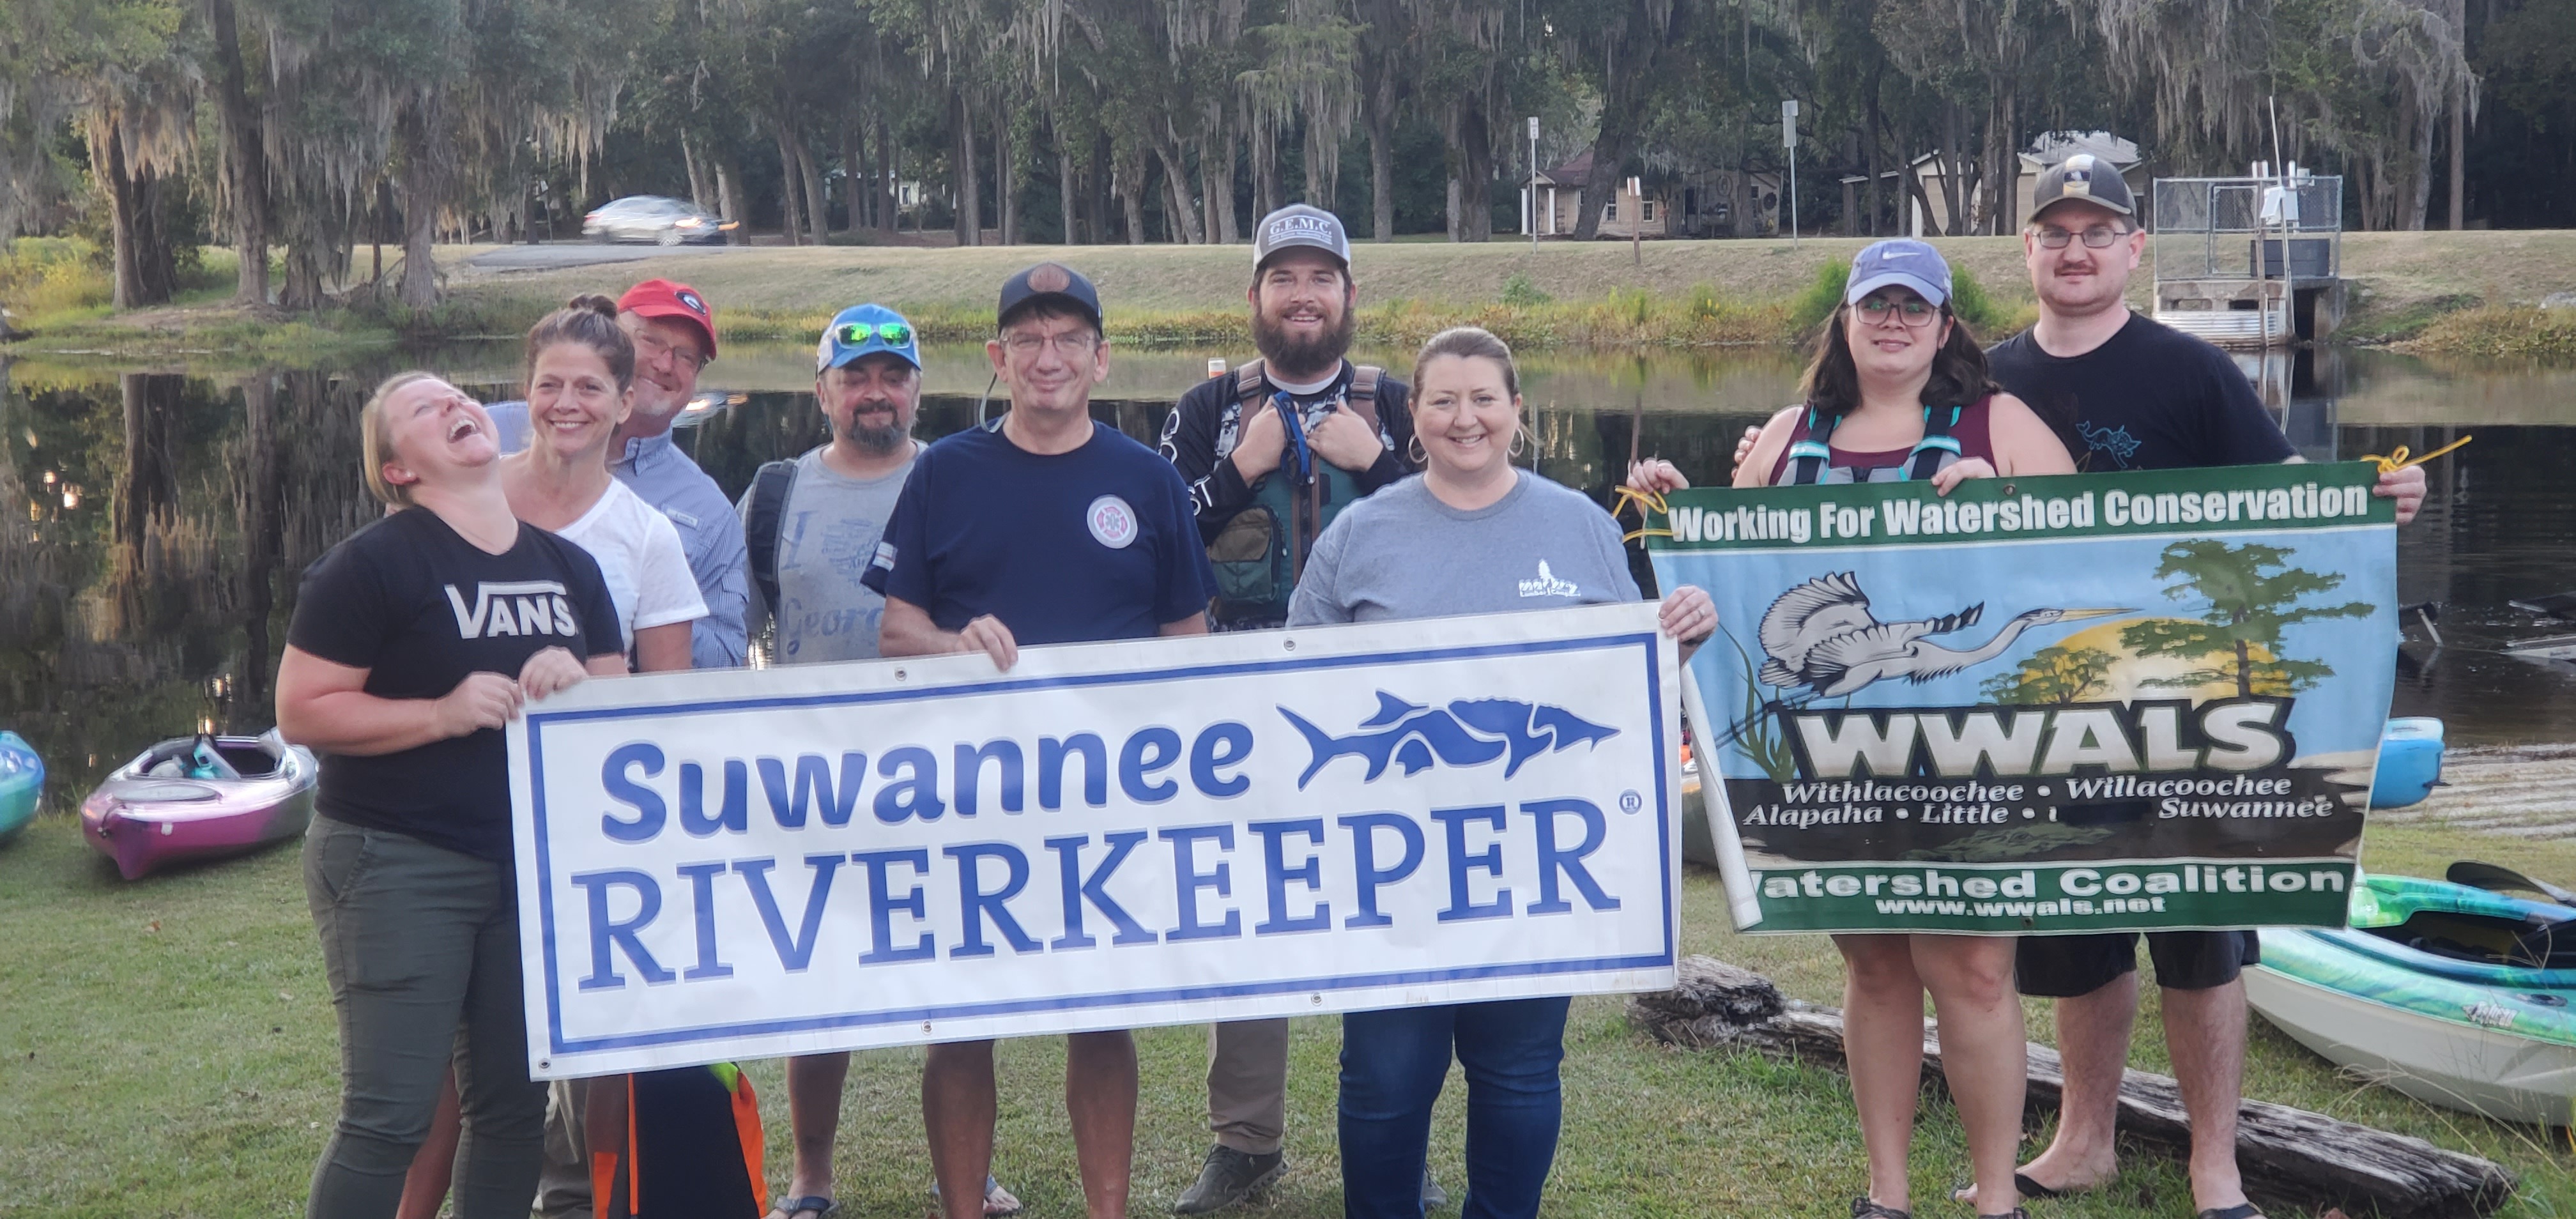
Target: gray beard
<point>879,441</point>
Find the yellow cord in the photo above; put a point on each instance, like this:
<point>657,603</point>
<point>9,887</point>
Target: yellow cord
<point>2398,459</point>
<point>1645,502</point>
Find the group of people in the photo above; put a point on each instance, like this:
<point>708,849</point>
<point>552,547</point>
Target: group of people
<point>530,545</point>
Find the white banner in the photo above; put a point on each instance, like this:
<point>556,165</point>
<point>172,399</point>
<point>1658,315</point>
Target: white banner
<point>747,864</point>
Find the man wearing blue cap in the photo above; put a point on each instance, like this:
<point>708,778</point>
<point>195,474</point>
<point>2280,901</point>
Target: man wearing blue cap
<point>811,524</point>
<point>1045,527</point>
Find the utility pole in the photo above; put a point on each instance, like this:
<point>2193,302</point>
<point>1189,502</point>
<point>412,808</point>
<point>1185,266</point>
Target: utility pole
<point>1533,203</point>
<point>1789,140</point>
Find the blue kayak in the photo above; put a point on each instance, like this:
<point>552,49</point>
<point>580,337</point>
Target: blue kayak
<point>22,784</point>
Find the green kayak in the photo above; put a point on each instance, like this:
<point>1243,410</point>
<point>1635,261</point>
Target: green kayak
<point>2456,996</point>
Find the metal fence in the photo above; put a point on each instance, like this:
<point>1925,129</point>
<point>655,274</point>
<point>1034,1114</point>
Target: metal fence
<point>2213,228</point>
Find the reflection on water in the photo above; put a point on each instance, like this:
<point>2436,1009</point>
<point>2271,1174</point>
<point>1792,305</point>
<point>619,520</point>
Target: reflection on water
<point>146,582</point>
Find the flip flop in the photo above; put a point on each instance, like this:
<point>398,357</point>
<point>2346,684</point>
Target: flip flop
<point>815,1205</point>
<point>2029,1190</point>
<point>2242,1210</point>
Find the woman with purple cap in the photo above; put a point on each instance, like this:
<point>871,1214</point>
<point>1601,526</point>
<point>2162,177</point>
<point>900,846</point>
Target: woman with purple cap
<point>1899,391</point>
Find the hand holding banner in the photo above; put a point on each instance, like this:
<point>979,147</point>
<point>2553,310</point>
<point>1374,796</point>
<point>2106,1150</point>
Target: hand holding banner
<point>2065,704</point>
<point>754,863</point>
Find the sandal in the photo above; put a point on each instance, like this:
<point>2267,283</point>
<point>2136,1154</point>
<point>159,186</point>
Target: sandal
<point>1863,1208</point>
<point>815,1205</point>
<point>2242,1210</point>
<point>999,1203</point>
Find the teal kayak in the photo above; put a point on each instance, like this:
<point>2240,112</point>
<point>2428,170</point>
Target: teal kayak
<point>22,784</point>
<point>2456,996</point>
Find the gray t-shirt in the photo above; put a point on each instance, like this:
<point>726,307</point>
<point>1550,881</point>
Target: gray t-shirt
<point>1401,553</point>
<point>826,536</point>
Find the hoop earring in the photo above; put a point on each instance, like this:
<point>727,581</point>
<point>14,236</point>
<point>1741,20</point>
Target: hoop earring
<point>1413,449</point>
<point>1520,442</point>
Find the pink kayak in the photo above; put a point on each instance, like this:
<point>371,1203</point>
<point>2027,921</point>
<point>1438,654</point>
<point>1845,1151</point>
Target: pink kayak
<point>201,797</point>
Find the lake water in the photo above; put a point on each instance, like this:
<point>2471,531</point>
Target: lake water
<point>145,590</point>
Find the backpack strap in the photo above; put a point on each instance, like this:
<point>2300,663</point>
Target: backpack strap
<point>761,526</point>
<point>1810,456</point>
<point>1938,447</point>
<point>1249,382</point>
<point>1362,395</point>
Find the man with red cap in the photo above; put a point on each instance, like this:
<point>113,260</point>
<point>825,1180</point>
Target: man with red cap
<point>675,336</point>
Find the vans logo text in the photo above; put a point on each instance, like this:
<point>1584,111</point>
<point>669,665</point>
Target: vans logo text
<point>513,607</point>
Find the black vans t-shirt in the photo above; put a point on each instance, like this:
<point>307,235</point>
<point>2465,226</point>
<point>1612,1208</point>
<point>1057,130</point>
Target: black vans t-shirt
<point>2152,398</point>
<point>420,609</point>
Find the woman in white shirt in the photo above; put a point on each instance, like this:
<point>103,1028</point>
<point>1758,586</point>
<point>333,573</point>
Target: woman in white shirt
<point>581,376</point>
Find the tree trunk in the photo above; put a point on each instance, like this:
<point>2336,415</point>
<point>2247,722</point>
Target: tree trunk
<point>698,192</point>
<point>1131,200</point>
<point>1184,216</point>
<point>1216,185</point>
<point>1068,188</point>
<point>1472,174</point>
<point>1381,175</point>
<point>1869,155</point>
<point>818,210</point>
<point>970,209</point>
<point>729,197</point>
<point>853,199</point>
<point>2419,194</point>
<point>889,200</point>
<point>1954,217</point>
<point>1006,194</point>
<point>791,219</point>
<point>245,161</point>
<point>420,200</point>
<point>2459,125</point>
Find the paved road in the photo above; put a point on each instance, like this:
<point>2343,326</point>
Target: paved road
<point>558,254</point>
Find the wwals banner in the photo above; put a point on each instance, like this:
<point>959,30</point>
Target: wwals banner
<point>756,863</point>
<point>2081,703</point>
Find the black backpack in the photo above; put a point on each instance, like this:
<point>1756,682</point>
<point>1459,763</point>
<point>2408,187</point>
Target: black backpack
<point>760,526</point>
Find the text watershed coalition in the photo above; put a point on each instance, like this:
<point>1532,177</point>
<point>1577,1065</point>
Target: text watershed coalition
<point>1941,517</point>
<point>1521,860</point>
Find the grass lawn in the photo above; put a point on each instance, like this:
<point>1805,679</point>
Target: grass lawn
<point>168,1050</point>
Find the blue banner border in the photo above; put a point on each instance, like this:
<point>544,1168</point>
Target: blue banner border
<point>1648,642</point>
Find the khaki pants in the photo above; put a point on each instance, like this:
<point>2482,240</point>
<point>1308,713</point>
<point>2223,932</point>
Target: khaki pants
<point>563,1191</point>
<point>1247,1084</point>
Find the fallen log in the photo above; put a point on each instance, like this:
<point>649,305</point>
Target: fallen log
<point>2288,1155</point>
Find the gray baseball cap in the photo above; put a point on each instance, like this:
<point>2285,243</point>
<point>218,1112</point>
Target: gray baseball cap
<point>2082,177</point>
<point>1300,225</point>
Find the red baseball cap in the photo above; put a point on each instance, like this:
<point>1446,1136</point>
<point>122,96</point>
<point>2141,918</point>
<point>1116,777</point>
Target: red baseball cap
<point>668,298</point>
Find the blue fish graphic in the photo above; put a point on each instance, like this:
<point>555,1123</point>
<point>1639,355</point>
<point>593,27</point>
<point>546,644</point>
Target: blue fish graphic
<point>1469,732</point>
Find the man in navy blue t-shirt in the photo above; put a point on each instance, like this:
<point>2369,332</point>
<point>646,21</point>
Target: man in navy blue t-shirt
<point>1044,528</point>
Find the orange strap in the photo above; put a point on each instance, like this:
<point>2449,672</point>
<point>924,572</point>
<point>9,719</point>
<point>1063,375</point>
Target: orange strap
<point>746,1126</point>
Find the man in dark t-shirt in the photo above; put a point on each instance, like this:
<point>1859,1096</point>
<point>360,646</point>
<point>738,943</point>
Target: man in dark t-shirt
<point>2132,394</point>
<point>1044,528</point>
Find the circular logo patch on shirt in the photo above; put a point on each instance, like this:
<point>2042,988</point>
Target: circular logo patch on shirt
<point>1113,523</point>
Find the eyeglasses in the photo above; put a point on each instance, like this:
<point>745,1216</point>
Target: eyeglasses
<point>651,346</point>
<point>2099,237</point>
<point>1913,311</point>
<point>1069,343</point>
<point>856,334</point>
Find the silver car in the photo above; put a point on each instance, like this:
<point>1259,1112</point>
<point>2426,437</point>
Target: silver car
<point>653,218</point>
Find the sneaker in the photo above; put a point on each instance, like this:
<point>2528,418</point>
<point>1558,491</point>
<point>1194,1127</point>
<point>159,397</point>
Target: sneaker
<point>1228,1177</point>
<point>1433,1197</point>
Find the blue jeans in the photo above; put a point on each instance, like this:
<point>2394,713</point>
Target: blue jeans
<point>1393,1065</point>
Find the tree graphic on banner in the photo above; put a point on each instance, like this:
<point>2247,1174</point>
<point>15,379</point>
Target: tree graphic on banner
<point>2053,676</point>
<point>2253,596</point>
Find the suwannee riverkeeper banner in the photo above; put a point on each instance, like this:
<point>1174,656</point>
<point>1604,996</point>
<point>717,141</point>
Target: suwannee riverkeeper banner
<point>755,863</point>
<point>2065,704</point>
